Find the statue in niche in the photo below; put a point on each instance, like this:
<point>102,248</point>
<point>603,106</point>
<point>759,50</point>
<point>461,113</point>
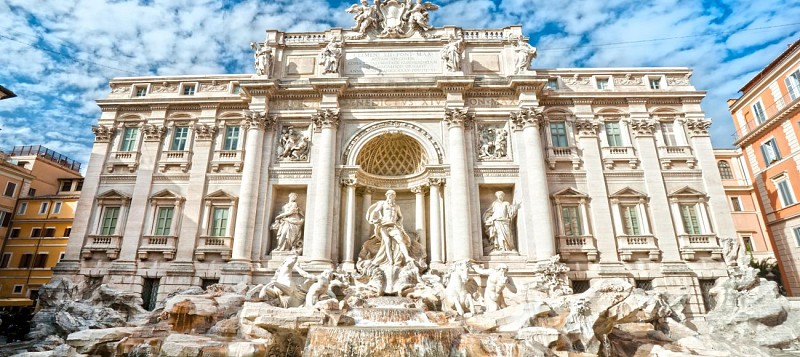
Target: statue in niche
<point>452,53</point>
<point>365,16</point>
<point>262,59</point>
<point>496,282</point>
<point>289,226</point>
<point>493,144</point>
<point>524,53</point>
<point>294,145</point>
<point>387,219</point>
<point>330,56</point>
<point>497,220</point>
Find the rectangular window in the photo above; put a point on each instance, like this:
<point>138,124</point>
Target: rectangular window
<point>630,216</point>
<point>23,207</point>
<point>17,289</point>
<point>141,91</point>
<point>129,139</point>
<point>188,89</point>
<point>164,221</point>
<point>236,89</point>
<point>552,83</point>
<point>66,185</point>
<point>5,260</point>
<point>572,221</point>
<point>10,189</point>
<point>219,222</point>
<point>67,231</point>
<point>79,186</point>
<point>57,207</point>
<point>705,290</point>
<point>796,231</point>
<point>50,232</point>
<point>231,138</point>
<point>43,207</point>
<point>602,83</point>
<point>748,244</point>
<point>558,134</point>
<point>736,204</point>
<point>109,224</point>
<point>769,150</point>
<point>644,284</point>
<point>613,134</point>
<point>40,261</point>
<point>655,83</point>
<point>61,257</point>
<point>150,293</point>
<point>15,232</point>
<point>758,112</point>
<point>793,84</point>
<point>785,192</point>
<point>691,225</point>
<point>31,192</point>
<point>580,286</point>
<point>5,218</point>
<point>25,261</point>
<point>180,138</point>
<point>668,134</point>
<point>36,232</point>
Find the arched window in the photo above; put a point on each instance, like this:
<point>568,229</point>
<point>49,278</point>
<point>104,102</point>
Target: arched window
<point>725,170</point>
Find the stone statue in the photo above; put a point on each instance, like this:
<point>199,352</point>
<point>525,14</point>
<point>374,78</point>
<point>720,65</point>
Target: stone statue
<point>456,291</point>
<point>262,59</point>
<point>387,219</point>
<point>496,282</point>
<point>524,53</point>
<point>497,220</point>
<point>330,56</point>
<point>294,145</point>
<point>289,226</point>
<point>320,288</point>
<point>365,16</point>
<point>730,250</point>
<point>452,53</point>
<point>418,14</point>
<point>282,286</point>
<point>501,144</point>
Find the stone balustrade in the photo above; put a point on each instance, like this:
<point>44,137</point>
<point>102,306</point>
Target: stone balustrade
<point>563,154</point>
<point>109,244</point>
<point>214,245</point>
<point>234,158</point>
<point>669,154</point>
<point>165,245</point>
<point>179,158</point>
<point>578,245</point>
<point>129,159</point>
<point>615,154</point>
<point>628,245</point>
<point>692,244</point>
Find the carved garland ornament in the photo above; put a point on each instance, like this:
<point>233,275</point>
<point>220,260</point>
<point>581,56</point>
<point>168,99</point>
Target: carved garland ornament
<point>391,124</point>
<point>103,133</point>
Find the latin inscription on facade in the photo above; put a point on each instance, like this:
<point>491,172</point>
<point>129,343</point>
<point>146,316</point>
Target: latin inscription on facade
<point>395,62</point>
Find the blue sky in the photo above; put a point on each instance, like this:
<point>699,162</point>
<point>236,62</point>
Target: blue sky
<point>81,44</point>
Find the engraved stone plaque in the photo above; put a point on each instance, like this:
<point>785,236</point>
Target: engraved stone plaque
<point>300,65</point>
<point>485,63</point>
<point>394,62</point>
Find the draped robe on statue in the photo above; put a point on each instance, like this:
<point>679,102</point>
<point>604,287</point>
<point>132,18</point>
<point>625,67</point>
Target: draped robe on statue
<point>388,222</point>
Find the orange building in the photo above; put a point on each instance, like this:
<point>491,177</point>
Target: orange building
<point>767,120</point>
<point>751,229</point>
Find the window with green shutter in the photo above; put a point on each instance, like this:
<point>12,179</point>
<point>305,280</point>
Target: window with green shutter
<point>691,225</point>
<point>109,225</point>
<point>164,221</point>
<point>558,134</point>
<point>129,139</point>
<point>180,138</point>
<point>613,134</point>
<point>219,221</point>
<point>630,215</point>
<point>572,221</point>
<point>231,138</point>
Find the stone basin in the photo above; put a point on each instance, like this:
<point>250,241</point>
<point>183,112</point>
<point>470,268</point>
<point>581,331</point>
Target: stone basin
<point>385,341</point>
<point>389,301</point>
<point>394,316</point>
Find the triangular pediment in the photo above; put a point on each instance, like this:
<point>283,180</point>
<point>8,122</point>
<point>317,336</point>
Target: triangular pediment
<point>687,191</point>
<point>165,194</point>
<point>113,194</point>
<point>220,194</point>
<point>570,192</point>
<point>627,192</point>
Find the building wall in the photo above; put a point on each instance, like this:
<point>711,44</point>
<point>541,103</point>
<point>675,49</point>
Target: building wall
<point>782,117</point>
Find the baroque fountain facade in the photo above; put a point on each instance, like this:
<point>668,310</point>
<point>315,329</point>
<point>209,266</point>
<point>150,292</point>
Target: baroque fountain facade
<point>402,175</point>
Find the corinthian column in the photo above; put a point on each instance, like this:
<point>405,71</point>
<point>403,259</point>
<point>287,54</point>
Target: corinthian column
<point>460,238</point>
<point>436,221</point>
<point>536,205</point>
<point>255,124</point>
<point>349,220</point>
<point>319,249</point>
<point>419,211</point>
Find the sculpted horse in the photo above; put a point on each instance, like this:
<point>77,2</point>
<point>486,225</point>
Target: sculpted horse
<point>456,292</point>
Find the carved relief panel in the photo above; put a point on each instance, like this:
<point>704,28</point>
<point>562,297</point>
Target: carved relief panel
<point>293,143</point>
<point>493,142</point>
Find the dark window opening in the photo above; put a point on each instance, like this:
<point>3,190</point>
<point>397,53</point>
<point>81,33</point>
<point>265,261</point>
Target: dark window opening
<point>150,293</point>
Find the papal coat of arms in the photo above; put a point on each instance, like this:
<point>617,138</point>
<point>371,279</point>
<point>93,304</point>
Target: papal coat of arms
<point>392,18</point>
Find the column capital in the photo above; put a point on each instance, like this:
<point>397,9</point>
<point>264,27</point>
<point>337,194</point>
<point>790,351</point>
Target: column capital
<point>153,132</point>
<point>527,117</point>
<point>421,189</point>
<point>103,133</point>
<point>258,120</point>
<point>587,127</point>
<point>325,118</point>
<point>204,132</point>
<point>349,182</point>
<point>697,127</point>
<point>458,117</point>
<point>436,181</point>
<point>642,127</point>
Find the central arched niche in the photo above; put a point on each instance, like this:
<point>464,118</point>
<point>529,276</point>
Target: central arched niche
<point>392,154</point>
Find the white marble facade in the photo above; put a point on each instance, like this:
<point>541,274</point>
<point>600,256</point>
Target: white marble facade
<point>612,168</point>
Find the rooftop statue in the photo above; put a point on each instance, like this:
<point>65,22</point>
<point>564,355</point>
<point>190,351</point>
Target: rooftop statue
<point>524,53</point>
<point>392,18</point>
<point>262,59</point>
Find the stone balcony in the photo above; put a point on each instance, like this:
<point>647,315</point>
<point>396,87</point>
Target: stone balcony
<point>669,154</point>
<point>627,246</point>
<point>580,245</point>
<point>165,245</point>
<point>613,155</point>
<point>128,159</point>
<point>214,245</point>
<point>563,154</point>
<point>109,244</point>
<point>693,244</point>
<point>233,158</point>
<point>180,158</point>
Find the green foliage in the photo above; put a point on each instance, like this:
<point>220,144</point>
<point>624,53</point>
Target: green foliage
<point>768,269</point>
